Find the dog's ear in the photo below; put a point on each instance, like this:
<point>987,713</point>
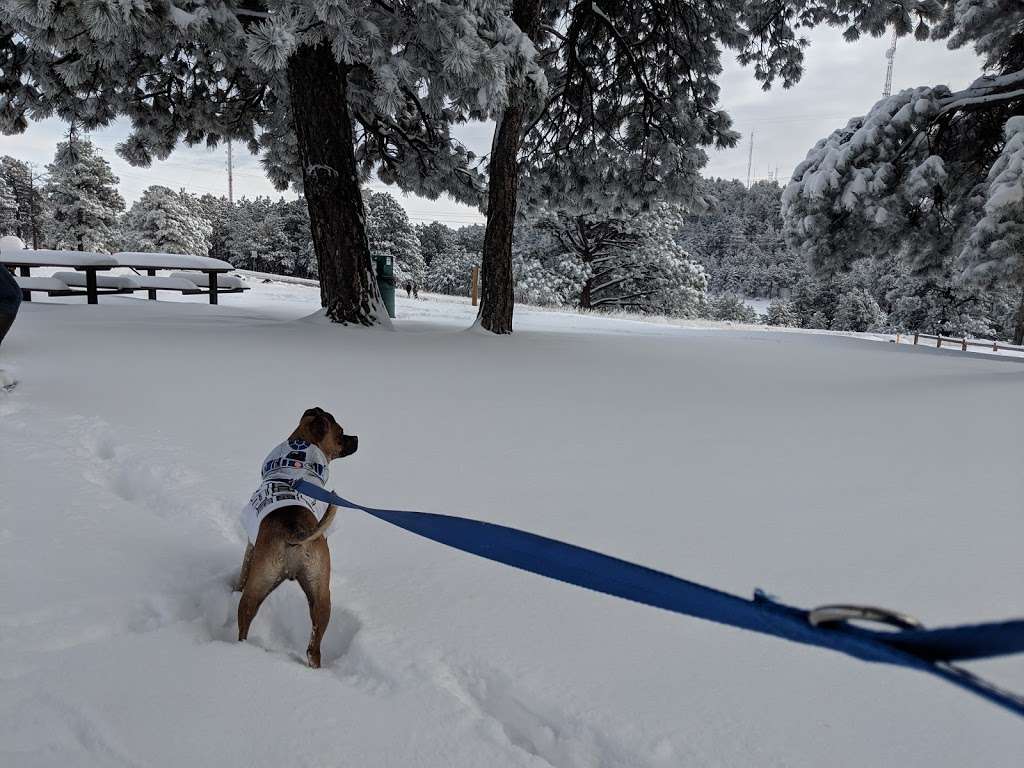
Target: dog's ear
<point>317,424</point>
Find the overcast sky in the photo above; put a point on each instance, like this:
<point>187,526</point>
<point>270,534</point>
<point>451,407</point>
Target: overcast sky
<point>842,80</point>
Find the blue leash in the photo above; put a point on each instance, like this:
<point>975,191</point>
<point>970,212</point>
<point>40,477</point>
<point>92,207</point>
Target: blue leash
<point>927,650</point>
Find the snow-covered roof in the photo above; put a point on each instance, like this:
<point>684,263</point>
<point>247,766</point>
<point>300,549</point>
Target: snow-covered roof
<point>169,261</point>
<point>51,258</point>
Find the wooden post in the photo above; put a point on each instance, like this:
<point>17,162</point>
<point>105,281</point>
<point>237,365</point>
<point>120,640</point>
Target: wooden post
<point>26,295</point>
<point>92,295</point>
<point>995,346</point>
<point>151,292</point>
<point>964,347</point>
<point>938,341</point>
<point>897,338</point>
<point>213,287</point>
<point>915,337</point>
<point>475,289</point>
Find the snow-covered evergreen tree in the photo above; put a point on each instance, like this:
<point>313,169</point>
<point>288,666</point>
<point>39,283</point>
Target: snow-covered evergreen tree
<point>738,239</point>
<point>857,310</point>
<point>165,221</point>
<point>450,272</point>
<point>994,252</point>
<point>214,209</point>
<point>435,238</point>
<point>8,209</point>
<point>390,234</point>
<point>928,171</point>
<point>633,103</point>
<point>781,312</point>
<point>84,201</point>
<point>632,263</point>
<point>726,306</point>
<point>23,183</point>
<point>328,92</point>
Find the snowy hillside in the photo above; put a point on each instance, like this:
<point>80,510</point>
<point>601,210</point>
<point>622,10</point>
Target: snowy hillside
<point>821,468</point>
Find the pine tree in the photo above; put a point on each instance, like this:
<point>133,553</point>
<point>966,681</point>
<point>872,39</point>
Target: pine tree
<point>450,272</point>
<point>632,263</point>
<point>435,238</point>
<point>632,102</point>
<point>165,221</point>
<point>391,234</point>
<point>994,252</point>
<point>328,92</point>
<point>928,171</point>
<point>215,210</point>
<point>8,209</point>
<point>83,199</point>
<point>738,239</point>
<point>23,182</point>
<point>732,308</point>
<point>857,310</point>
<point>781,312</point>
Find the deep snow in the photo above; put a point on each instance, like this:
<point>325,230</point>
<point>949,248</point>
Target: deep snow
<point>821,468</point>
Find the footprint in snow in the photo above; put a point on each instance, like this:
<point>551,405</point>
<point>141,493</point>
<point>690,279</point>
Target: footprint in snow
<point>557,739</point>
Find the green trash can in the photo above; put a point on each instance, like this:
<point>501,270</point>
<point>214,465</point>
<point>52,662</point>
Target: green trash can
<point>386,282</point>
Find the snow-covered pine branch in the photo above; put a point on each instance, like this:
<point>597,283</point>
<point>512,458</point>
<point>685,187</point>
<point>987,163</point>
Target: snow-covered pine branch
<point>928,173</point>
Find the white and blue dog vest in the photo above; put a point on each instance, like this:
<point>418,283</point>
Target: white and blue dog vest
<point>291,460</point>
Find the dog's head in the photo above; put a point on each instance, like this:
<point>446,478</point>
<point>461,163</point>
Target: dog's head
<point>319,427</point>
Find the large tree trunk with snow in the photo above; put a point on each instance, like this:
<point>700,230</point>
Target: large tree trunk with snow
<point>496,300</point>
<point>317,85</point>
<point>1018,331</point>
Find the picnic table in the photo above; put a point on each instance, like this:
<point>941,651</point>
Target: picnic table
<point>151,262</point>
<point>82,261</point>
<point>204,276</point>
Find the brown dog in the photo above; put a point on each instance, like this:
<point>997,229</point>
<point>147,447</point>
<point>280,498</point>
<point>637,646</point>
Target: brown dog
<point>291,543</point>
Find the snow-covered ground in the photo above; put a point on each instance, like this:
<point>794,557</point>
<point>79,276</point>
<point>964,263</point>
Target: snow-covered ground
<point>820,467</point>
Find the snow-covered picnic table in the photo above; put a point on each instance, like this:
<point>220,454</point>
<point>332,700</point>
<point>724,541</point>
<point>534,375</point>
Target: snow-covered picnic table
<point>213,269</point>
<point>83,261</point>
<point>203,275</point>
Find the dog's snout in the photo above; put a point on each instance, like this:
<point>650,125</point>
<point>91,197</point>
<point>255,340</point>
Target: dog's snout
<point>351,444</point>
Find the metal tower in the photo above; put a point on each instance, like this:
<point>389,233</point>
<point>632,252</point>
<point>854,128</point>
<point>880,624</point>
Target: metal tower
<point>750,158</point>
<point>231,176</point>
<point>891,56</point>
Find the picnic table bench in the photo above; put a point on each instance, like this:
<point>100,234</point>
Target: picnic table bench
<point>207,275</point>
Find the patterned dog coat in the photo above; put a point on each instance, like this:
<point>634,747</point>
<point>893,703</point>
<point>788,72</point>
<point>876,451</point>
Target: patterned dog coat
<point>291,460</point>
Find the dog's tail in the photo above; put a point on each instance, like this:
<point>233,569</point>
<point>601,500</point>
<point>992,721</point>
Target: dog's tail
<point>320,530</point>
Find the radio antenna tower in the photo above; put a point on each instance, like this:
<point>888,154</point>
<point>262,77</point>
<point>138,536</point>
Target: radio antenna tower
<point>891,56</point>
<point>750,158</point>
<point>231,176</point>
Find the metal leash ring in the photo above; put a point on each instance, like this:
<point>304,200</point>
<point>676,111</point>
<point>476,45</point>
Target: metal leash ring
<point>841,613</point>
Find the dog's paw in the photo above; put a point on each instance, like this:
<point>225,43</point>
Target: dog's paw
<point>313,659</point>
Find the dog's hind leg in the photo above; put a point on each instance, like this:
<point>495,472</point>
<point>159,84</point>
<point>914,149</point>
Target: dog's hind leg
<point>315,580</point>
<point>243,574</point>
<point>257,587</point>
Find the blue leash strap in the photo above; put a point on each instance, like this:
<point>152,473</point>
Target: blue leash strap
<point>927,650</point>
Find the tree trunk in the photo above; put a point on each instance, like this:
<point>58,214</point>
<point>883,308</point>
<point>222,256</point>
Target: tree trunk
<point>1018,332</point>
<point>585,297</point>
<point>496,300</point>
<point>318,85</point>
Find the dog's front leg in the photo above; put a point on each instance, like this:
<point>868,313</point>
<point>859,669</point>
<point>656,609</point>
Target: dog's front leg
<point>243,574</point>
